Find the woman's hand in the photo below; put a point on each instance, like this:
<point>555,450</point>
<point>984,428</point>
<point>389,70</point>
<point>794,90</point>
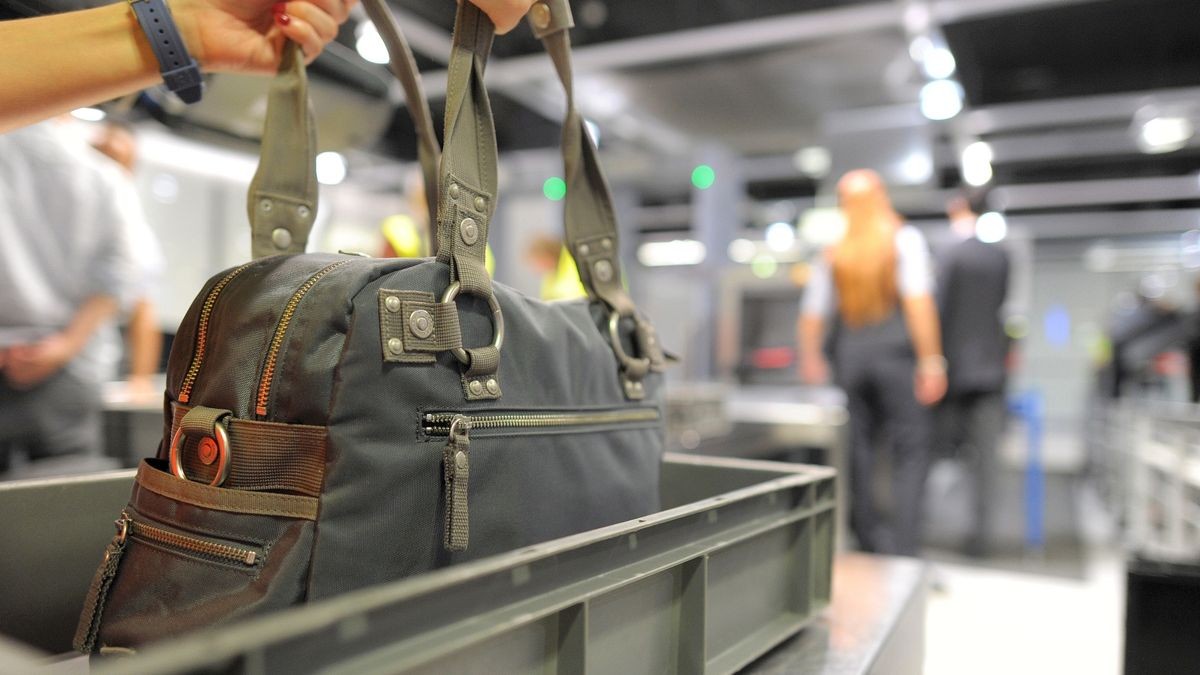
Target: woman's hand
<point>929,381</point>
<point>248,35</point>
<point>813,369</point>
<point>505,14</point>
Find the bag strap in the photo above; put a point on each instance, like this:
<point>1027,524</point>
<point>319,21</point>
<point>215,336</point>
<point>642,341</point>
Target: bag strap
<point>404,66</point>
<point>282,202</point>
<point>589,218</point>
<point>467,191</point>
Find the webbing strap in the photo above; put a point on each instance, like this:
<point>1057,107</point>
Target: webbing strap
<point>404,67</point>
<point>468,170</point>
<point>282,201</point>
<point>590,222</point>
<point>264,456</point>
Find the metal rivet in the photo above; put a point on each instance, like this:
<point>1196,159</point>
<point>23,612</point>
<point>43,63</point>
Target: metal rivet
<point>208,451</point>
<point>584,249</point>
<point>395,346</point>
<point>476,387</point>
<point>540,15</point>
<point>265,205</point>
<point>303,211</point>
<point>421,324</point>
<point>493,387</point>
<point>281,237</point>
<point>460,459</point>
<point>603,270</point>
<point>454,190</point>
<point>468,229</point>
<point>606,243</point>
<point>480,204</point>
<point>392,303</point>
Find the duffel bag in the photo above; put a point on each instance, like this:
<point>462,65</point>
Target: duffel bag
<point>336,421</point>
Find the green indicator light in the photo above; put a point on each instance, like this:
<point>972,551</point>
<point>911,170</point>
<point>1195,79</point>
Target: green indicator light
<point>703,177</point>
<point>554,188</point>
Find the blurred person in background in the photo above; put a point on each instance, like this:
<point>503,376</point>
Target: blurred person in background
<point>972,287</point>
<point>875,288</point>
<point>549,259</point>
<point>65,272</point>
<point>144,338</point>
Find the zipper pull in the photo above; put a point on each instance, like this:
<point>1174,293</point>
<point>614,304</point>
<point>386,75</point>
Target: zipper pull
<point>456,467</point>
<point>93,607</point>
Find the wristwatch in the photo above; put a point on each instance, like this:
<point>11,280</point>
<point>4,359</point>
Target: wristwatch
<point>180,71</point>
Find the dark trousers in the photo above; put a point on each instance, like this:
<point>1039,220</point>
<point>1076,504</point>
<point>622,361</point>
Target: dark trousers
<point>61,416</point>
<point>885,416</point>
<point>968,430</point>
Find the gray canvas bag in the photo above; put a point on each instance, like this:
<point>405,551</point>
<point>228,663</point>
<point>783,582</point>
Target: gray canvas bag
<point>335,421</point>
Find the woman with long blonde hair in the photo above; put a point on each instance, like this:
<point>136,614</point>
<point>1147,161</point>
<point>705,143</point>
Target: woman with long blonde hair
<point>875,287</point>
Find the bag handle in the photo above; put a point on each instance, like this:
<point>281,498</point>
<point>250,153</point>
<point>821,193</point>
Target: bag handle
<point>282,202</point>
<point>589,218</point>
<point>404,66</point>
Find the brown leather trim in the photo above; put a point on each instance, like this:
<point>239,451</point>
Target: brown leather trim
<point>224,499</point>
<point>264,456</point>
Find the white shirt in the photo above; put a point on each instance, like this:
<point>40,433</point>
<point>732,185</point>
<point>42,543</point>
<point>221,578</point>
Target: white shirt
<point>64,238</point>
<point>914,274</point>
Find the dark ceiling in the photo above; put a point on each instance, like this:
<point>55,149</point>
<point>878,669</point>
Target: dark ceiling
<point>1078,50</point>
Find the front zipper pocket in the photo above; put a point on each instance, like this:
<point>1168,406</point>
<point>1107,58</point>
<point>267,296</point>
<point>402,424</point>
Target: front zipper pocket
<point>458,427</point>
<point>437,424</point>
<point>193,546</point>
<point>130,531</point>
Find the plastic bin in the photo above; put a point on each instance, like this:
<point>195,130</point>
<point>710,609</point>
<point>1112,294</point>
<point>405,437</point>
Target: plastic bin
<point>739,560</point>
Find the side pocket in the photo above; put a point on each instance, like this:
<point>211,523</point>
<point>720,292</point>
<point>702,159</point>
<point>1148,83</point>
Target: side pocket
<point>188,555</point>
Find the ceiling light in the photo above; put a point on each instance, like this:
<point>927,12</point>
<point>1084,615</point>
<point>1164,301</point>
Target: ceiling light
<point>369,45</point>
<point>822,226</point>
<point>814,161</point>
<point>780,236</point>
<point>977,163</point>
<point>991,227</point>
<point>742,250</point>
<point>938,63</point>
<point>919,47</point>
<point>674,252</point>
<point>916,168</point>
<point>331,168</point>
<point>88,114</point>
<point>941,99</point>
<point>1165,134</point>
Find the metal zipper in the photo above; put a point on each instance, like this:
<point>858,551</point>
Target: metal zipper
<point>438,423</point>
<point>93,607</point>
<point>268,373</point>
<point>210,301</point>
<point>140,530</point>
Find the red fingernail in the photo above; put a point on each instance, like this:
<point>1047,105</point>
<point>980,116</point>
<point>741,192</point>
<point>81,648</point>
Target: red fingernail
<point>283,19</point>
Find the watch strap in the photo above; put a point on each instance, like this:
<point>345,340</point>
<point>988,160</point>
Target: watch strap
<point>180,71</point>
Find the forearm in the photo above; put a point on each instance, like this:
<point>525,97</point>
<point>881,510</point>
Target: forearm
<point>145,341</point>
<point>811,330</point>
<point>91,314</point>
<point>920,315</point>
<point>108,38</point>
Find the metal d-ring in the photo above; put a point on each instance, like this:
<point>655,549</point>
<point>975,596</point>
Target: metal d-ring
<point>176,462</point>
<point>627,361</point>
<point>497,322</point>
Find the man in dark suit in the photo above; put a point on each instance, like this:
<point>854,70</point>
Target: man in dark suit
<point>972,286</point>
